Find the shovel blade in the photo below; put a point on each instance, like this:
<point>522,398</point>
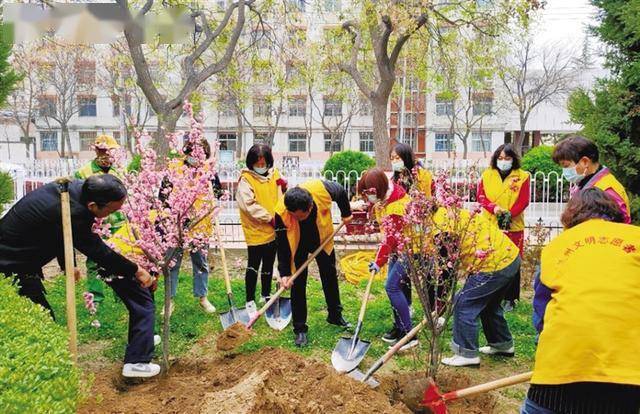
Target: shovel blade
<point>278,315</point>
<point>343,359</point>
<point>433,399</point>
<point>233,316</point>
<point>358,375</point>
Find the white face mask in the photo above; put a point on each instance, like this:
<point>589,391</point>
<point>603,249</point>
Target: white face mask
<point>397,166</point>
<point>372,198</point>
<point>261,170</point>
<point>504,165</point>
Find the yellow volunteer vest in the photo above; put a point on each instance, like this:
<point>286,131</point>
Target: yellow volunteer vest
<point>201,205</point>
<point>123,241</point>
<point>592,324</point>
<point>479,236</point>
<point>396,208</point>
<point>424,181</point>
<point>266,194</point>
<point>504,194</point>
<point>322,199</point>
<point>609,181</point>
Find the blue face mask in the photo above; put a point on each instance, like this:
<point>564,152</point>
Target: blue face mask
<point>261,170</point>
<point>571,175</point>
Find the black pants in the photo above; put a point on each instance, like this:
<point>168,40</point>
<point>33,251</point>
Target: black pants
<point>328,277</point>
<point>138,301</point>
<point>265,254</point>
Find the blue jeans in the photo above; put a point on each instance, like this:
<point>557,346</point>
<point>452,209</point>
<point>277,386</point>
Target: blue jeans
<point>529,407</point>
<point>481,297</point>
<point>200,273</point>
<point>396,273</point>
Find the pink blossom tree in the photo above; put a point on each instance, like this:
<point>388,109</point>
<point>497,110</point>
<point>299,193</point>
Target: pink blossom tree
<point>168,203</point>
<point>440,245</point>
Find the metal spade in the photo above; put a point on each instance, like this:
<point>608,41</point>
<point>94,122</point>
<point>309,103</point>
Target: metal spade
<point>234,314</point>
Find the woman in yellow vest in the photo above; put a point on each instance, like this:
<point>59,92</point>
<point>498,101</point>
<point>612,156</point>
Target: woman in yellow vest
<point>493,261</point>
<point>389,202</point>
<point>306,210</point>
<point>579,159</point>
<point>409,174</point>
<point>504,194</point>
<point>586,303</point>
<point>259,188</point>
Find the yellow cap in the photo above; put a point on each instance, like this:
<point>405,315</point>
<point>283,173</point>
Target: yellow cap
<point>106,142</point>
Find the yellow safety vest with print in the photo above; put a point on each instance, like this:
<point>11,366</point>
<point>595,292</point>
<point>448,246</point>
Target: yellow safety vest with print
<point>396,208</point>
<point>504,193</point>
<point>266,194</point>
<point>201,204</point>
<point>610,181</point>
<point>484,247</point>
<point>424,181</point>
<point>324,221</point>
<point>591,324</point>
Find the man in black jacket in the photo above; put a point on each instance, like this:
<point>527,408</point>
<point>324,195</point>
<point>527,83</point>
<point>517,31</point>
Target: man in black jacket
<point>31,236</point>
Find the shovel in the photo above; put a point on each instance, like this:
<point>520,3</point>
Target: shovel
<point>436,401</point>
<point>69,267</point>
<point>278,315</point>
<point>349,351</point>
<point>367,378</point>
<point>234,314</point>
<point>276,296</point>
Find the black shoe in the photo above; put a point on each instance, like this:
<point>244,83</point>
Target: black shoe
<point>339,321</point>
<point>301,339</point>
<point>392,336</point>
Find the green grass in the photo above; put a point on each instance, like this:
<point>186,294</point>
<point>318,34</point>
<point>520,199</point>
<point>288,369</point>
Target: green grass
<point>189,323</point>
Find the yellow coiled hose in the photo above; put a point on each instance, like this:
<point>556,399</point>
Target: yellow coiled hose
<point>356,266</point>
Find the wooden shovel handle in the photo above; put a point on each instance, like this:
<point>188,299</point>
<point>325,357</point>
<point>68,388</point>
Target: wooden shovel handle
<point>365,299</point>
<point>70,274</point>
<point>489,386</point>
<point>391,352</point>
<point>223,258</point>
<point>293,277</point>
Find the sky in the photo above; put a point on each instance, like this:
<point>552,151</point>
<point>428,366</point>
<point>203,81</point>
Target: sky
<point>565,21</point>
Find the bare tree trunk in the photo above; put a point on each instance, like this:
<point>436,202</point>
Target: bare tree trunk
<point>465,147</point>
<point>239,134</point>
<point>520,139</point>
<point>166,125</point>
<point>381,133</point>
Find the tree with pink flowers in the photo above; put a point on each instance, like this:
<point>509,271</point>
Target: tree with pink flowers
<point>168,203</point>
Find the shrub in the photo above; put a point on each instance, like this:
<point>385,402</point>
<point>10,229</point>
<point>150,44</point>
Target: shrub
<point>343,164</point>
<point>635,208</point>
<point>36,372</point>
<point>6,189</point>
<point>538,160</point>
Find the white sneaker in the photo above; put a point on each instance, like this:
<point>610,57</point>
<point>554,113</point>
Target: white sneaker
<point>411,312</point>
<point>460,361</point>
<point>489,350</point>
<point>140,370</point>
<point>157,340</point>
<point>251,307</point>
<point>263,299</point>
<point>440,323</point>
<point>411,344</point>
<point>171,309</point>
<point>206,305</point>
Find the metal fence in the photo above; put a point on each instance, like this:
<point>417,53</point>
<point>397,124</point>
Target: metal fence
<point>549,192</point>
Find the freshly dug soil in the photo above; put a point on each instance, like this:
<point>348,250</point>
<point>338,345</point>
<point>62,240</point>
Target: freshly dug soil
<point>232,337</point>
<point>408,388</point>
<point>268,381</point>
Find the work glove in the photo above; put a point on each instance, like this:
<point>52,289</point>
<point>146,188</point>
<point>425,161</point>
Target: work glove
<point>373,267</point>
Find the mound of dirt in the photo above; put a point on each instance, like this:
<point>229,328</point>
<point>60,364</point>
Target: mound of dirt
<point>232,337</point>
<point>268,381</point>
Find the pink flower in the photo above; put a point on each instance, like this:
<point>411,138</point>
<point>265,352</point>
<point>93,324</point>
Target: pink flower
<point>481,254</point>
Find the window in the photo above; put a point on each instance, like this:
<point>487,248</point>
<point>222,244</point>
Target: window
<point>227,141</point>
<point>482,104</point>
<point>409,138</point>
<point>298,106</point>
<point>332,107</point>
<point>366,142</point>
<point>116,136</point>
<point>261,108</point>
<point>332,5</point>
<point>87,105</point>
<point>47,106</point>
<point>337,142</point>
<point>87,138</point>
<point>481,141</point>
<point>444,106</point>
<point>297,142</point>
<point>86,73</point>
<point>49,141</point>
<point>444,142</point>
<point>260,138</point>
<point>115,100</point>
<point>413,84</point>
<point>298,4</point>
<point>226,108</point>
<point>410,120</point>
